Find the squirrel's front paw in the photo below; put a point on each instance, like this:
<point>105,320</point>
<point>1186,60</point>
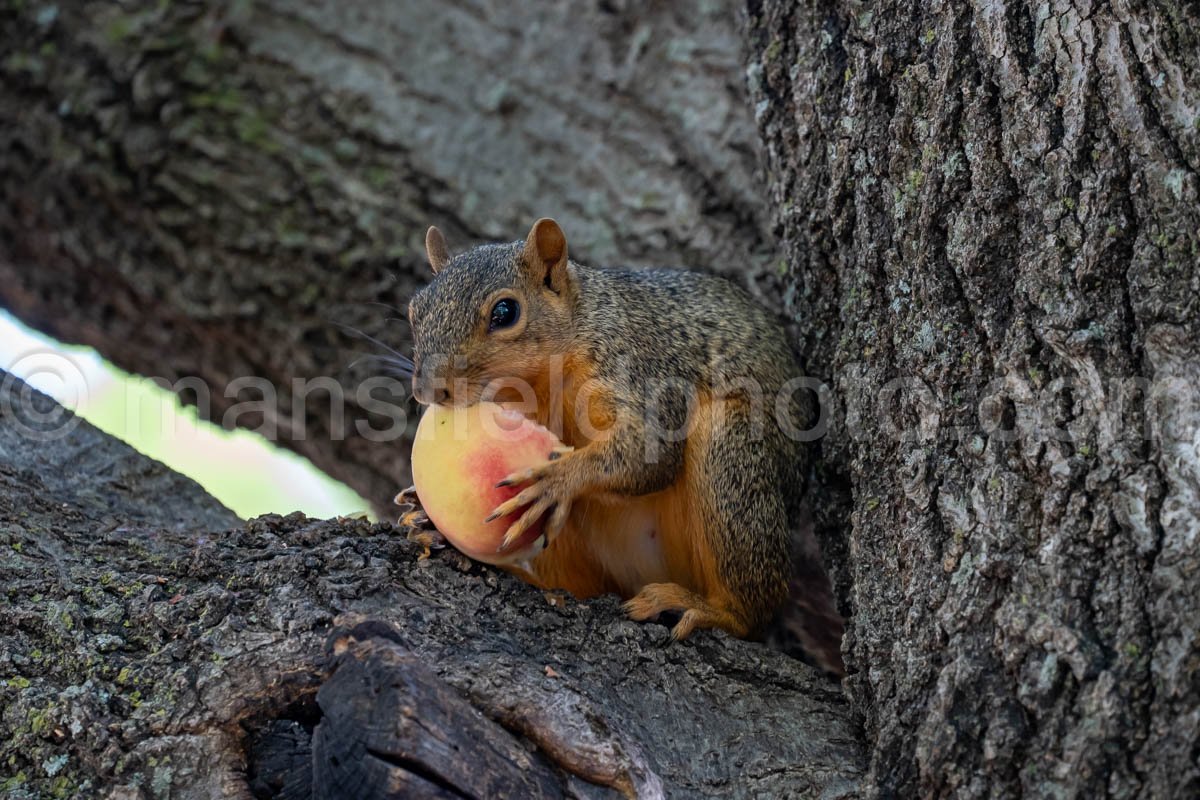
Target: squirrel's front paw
<point>550,487</point>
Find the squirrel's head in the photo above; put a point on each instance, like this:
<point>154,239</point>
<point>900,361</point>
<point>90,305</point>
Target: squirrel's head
<point>492,317</point>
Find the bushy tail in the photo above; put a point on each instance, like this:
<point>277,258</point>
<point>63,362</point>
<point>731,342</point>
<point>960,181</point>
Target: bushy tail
<point>809,625</point>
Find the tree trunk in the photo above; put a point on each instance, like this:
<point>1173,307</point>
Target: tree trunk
<point>220,182</point>
<point>150,648</point>
<point>990,217</point>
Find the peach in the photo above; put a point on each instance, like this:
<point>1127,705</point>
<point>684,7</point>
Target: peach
<point>459,456</point>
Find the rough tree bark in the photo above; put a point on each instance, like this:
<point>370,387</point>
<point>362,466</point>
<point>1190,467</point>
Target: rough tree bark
<point>152,646</point>
<point>219,181</point>
<point>990,216</point>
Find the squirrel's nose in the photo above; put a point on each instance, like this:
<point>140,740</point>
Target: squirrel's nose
<point>429,395</point>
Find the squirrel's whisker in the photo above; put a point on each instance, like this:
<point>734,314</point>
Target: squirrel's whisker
<point>402,359</point>
<point>397,367</point>
<point>402,312</point>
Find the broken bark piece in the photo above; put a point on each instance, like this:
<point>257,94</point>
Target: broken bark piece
<point>390,727</point>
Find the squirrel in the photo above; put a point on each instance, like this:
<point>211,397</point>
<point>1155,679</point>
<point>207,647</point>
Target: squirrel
<point>678,485</point>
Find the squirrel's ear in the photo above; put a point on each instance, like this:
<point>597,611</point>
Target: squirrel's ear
<point>546,253</point>
<point>435,249</point>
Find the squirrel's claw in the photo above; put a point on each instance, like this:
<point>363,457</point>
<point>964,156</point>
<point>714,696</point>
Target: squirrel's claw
<point>557,520</point>
<point>417,518</point>
<point>559,451</point>
<point>429,540</point>
<point>519,477</point>
<point>521,525</point>
<point>538,472</point>
<point>514,504</point>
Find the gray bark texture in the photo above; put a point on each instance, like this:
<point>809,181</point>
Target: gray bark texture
<point>989,214</point>
<point>153,646</point>
<point>221,181</point>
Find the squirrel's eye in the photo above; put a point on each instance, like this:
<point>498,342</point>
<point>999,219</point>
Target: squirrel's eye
<point>505,314</point>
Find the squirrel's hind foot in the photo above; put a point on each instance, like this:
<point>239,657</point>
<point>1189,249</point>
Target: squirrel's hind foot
<point>655,598</point>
